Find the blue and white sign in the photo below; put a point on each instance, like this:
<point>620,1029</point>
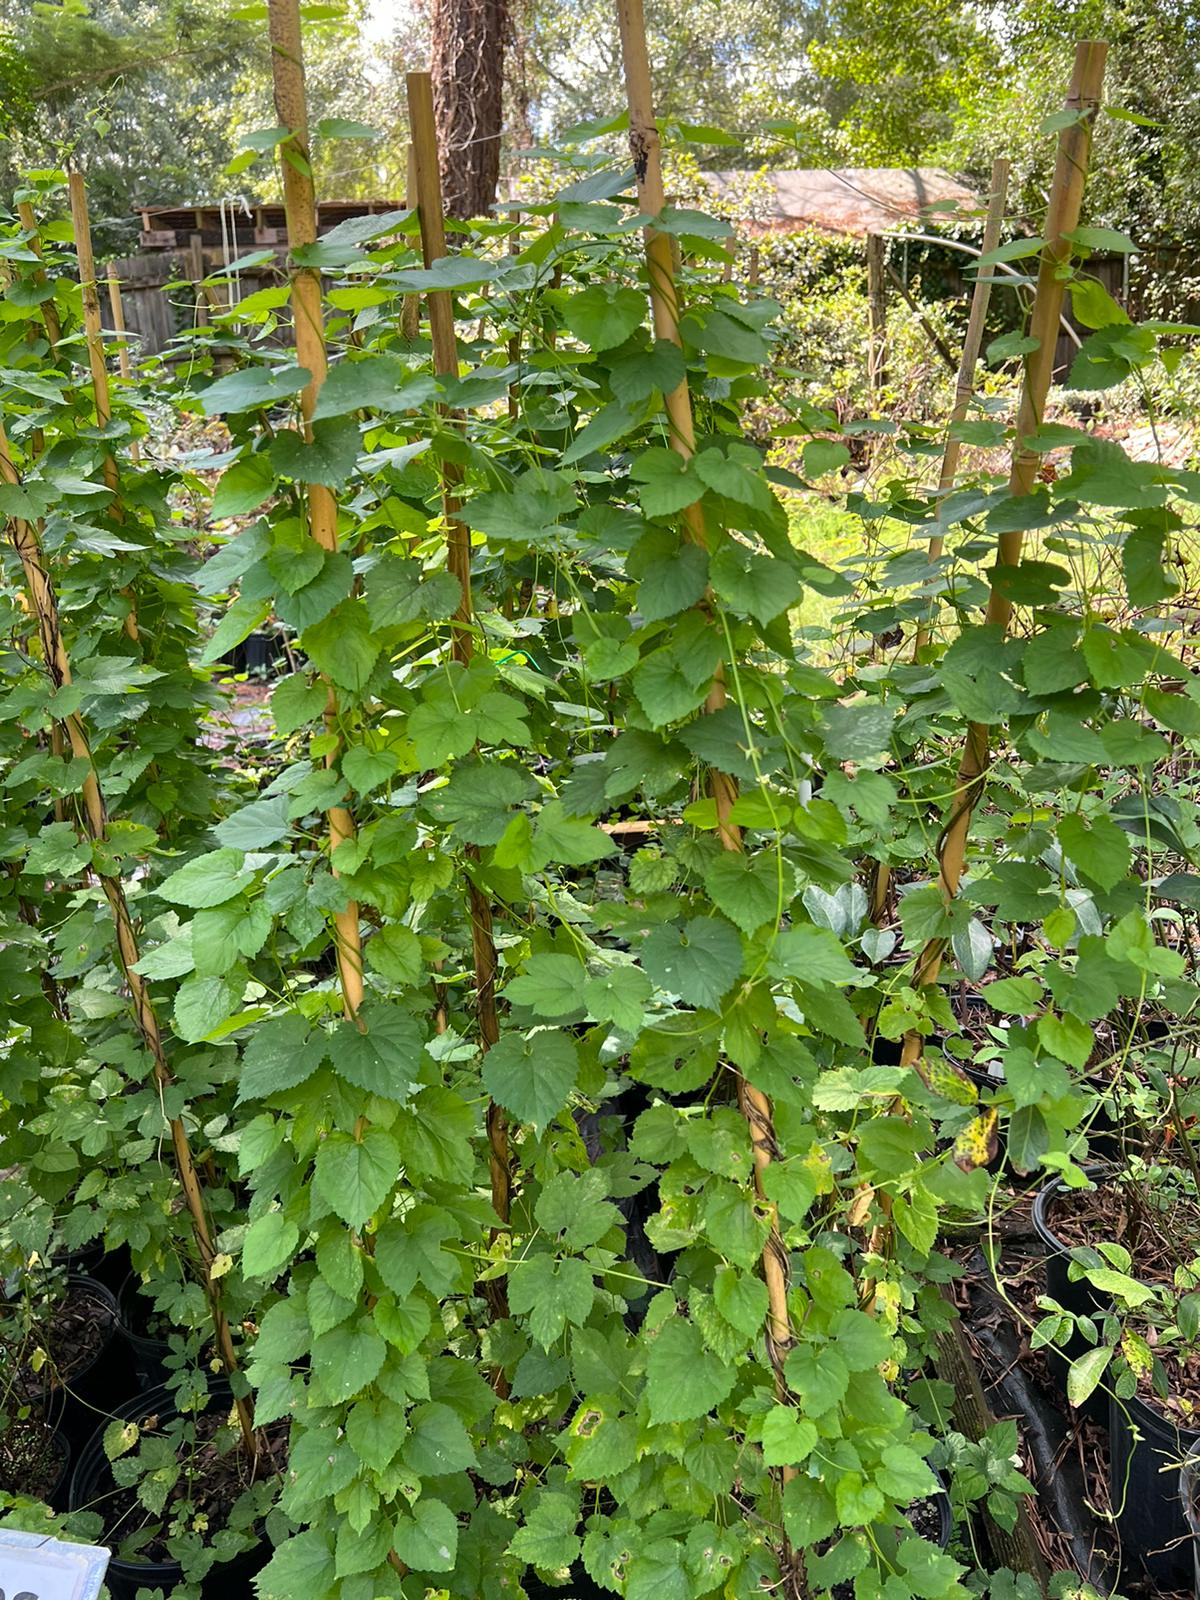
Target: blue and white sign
<point>37,1566</point>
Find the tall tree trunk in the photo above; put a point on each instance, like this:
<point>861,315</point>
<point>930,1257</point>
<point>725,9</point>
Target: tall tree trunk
<point>469,40</point>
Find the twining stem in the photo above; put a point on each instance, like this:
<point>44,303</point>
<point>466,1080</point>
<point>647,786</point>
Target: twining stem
<point>44,600</point>
<point>308,322</point>
<point>123,361</point>
<point>428,192</point>
<point>664,301</point>
<point>94,337</point>
<point>964,393</point>
<point>1066,197</point>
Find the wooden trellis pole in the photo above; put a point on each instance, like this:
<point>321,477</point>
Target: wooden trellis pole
<point>93,334</point>
<point>47,309</point>
<point>964,388</point>
<point>44,600</point>
<point>308,321</point>
<point>647,162</point>
<point>1066,197</point>
<point>440,306</point>
<point>123,362</point>
<point>876,314</point>
<point>410,307</point>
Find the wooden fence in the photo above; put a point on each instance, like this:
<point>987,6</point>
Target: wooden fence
<point>162,287</point>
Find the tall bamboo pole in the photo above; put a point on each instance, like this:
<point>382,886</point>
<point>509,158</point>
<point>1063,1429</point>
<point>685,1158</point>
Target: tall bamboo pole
<point>308,320</point>
<point>118,316</point>
<point>964,388</point>
<point>47,308</point>
<point>81,227</point>
<point>410,308</point>
<point>1066,197</point>
<point>53,329</point>
<point>876,314</point>
<point>664,302</point>
<point>964,392</point>
<point>440,306</point>
<point>44,599</point>
<point>93,334</point>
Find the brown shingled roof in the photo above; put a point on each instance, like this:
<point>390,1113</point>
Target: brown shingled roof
<point>854,200</point>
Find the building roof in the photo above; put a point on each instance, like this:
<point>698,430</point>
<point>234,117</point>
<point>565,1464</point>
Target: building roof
<point>852,200</point>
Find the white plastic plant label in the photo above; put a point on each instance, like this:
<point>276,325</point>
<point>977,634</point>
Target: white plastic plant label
<point>36,1566</point>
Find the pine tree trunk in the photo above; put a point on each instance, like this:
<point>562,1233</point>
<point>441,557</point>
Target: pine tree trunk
<point>469,40</point>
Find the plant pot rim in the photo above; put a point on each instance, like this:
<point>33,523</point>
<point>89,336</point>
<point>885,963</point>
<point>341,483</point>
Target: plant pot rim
<point>102,1293</point>
<point>131,1285</point>
<point>160,1400</point>
<point>1098,1173</point>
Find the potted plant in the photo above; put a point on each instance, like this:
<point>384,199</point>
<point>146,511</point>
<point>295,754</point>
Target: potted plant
<point>1134,1336</point>
<point>173,1494</point>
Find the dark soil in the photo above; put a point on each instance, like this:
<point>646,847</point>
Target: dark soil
<point>73,1335</point>
<point>1158,1237</point>
<point>215,1474</point>
<point>926,1518</point>
<point>32,1458</point>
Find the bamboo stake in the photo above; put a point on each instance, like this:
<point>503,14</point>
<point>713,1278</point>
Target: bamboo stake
<point>1066,196</point>
<point>53,329</point>
<point>118,315</point>
<point>964,388</point>
<point>410,307</point>
<point>876,315</point>
<point>308,321</point>
<point>44,600</point>
<point>428,188</point>
<point>47,308</point>
<point>82,229</point>
<point>964,392</point>
<point>647,161</point>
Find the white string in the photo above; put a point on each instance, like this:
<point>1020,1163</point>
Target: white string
<point>230,249</point>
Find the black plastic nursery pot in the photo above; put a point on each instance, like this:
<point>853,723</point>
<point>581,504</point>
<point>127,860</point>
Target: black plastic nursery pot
<point>87,1395</point>
<point>92,1481</point>
<point>577,1587</point>
<point>1147,1491</point>
<point>112,1268</point>
<point>147,1353</point>
<point>1077,1296</point>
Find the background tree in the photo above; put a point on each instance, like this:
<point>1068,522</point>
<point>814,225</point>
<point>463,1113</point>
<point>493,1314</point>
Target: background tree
<point>152,98</point>
<point>469,41</point>
<point>114,88</point>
